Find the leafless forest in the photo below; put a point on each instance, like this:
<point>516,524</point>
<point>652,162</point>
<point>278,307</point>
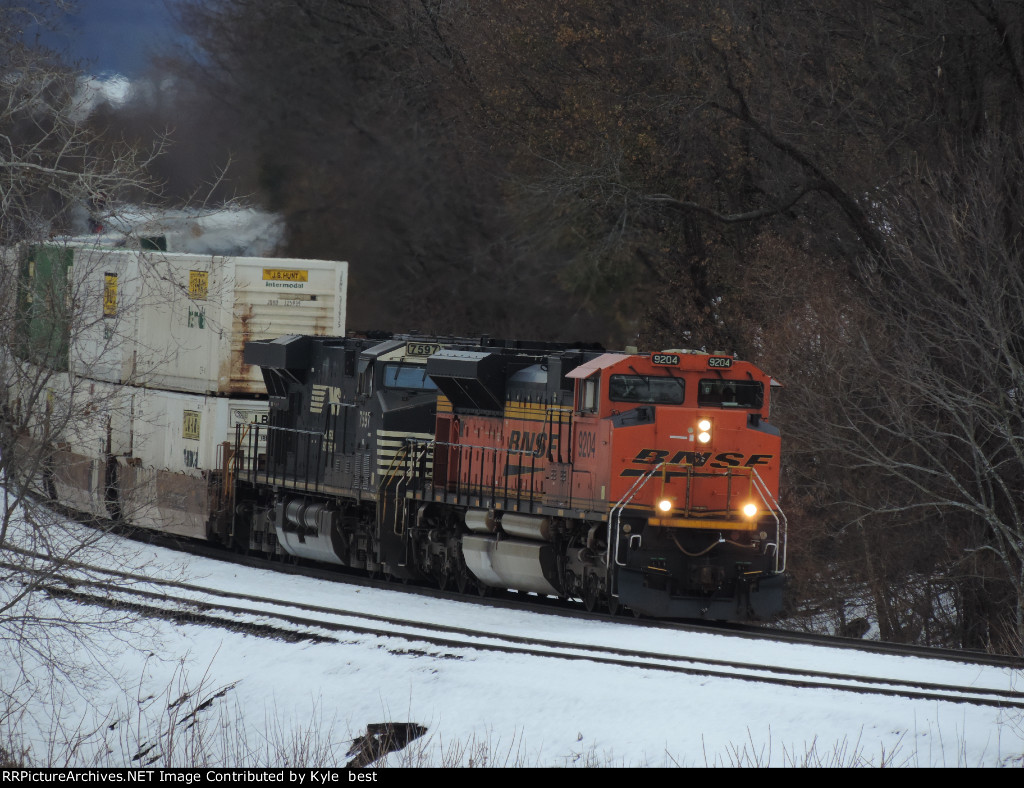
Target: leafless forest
<point>830,189</point>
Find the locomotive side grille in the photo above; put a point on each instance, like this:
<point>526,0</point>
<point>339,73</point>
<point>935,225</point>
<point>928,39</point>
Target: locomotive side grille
<point>364,475</point>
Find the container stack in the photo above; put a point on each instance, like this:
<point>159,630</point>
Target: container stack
<point>151,343</point>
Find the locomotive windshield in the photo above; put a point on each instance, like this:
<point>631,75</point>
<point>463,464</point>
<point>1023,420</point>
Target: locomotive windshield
<point>407,376</point>
<point>654,390</point>
<point>715,392</point>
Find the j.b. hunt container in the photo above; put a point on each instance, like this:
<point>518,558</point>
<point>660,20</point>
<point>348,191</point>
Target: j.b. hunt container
<point>156,458</point>
<point>180,321</point>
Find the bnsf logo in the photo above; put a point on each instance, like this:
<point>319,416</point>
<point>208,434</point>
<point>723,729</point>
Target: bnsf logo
<point>726,459</point>
<point>535,443</point>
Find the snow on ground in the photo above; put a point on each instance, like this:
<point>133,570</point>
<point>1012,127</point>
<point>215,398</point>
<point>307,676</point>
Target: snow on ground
<point>516,709</point>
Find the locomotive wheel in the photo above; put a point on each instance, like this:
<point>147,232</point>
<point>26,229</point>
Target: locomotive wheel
<point>591,593</point>
<point>614,607</point>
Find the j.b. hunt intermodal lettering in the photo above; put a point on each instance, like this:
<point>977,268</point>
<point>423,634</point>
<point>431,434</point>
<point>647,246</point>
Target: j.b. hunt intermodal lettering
<point>697,459</point>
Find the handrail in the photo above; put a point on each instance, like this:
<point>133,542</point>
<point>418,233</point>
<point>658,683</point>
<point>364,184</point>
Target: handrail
<point>781,525</point>
<point>758,485</point>
<point>616,515</point>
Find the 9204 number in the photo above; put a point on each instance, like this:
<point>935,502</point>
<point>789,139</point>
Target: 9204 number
<point>719,362</point>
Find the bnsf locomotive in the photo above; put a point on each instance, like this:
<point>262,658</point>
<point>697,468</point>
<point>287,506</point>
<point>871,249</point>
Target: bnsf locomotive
<point>646,481</point>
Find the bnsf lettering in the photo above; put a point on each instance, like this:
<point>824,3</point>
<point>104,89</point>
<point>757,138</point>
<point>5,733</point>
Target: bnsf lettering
<point>654,456</point>
<point>535,443</point>
<point>727,459</point>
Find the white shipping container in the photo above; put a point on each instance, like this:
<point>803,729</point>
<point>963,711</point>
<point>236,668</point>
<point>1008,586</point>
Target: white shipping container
<point>78,422</point>
<point>103,327</point>
<point>156,458</point>
<point>180,321</point>
<point>180,441</point>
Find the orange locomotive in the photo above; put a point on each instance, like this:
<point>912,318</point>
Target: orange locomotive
<point>648,481</point>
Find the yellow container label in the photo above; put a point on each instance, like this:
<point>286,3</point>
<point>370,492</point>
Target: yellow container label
<point>109,295</point>
<point>285,275</point>
<point>198,285</point>
<point>190,424</point>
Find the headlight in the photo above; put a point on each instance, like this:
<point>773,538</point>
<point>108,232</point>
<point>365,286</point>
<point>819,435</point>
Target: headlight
<point>704,437</point>
<point>665,505</point>
<point>750,510</point>
<point>704,425</point>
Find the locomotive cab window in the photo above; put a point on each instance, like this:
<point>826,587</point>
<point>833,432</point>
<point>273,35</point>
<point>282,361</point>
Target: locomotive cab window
<point>589,390</point>
<point>364,385</point>
<point>719,393</point>
<point>648,389</point>
<point>408,376</point>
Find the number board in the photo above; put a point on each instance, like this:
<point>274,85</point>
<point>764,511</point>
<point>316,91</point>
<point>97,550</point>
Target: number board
<point>665,359</point>
<point>719,362</point>
<point>421,349</point>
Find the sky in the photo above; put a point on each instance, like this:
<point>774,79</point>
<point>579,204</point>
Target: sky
<point>114,36</point>
<point>279,703</point>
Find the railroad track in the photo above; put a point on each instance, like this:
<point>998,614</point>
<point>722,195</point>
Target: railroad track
<point>547,606</point>
<point>294,620</point>
<point>573,608</point>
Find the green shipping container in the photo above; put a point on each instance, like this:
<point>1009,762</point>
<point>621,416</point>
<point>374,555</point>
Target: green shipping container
<point>44,301</point>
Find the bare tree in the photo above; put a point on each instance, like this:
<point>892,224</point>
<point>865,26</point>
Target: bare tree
<point>53,170</point>
<point>920,405</point>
